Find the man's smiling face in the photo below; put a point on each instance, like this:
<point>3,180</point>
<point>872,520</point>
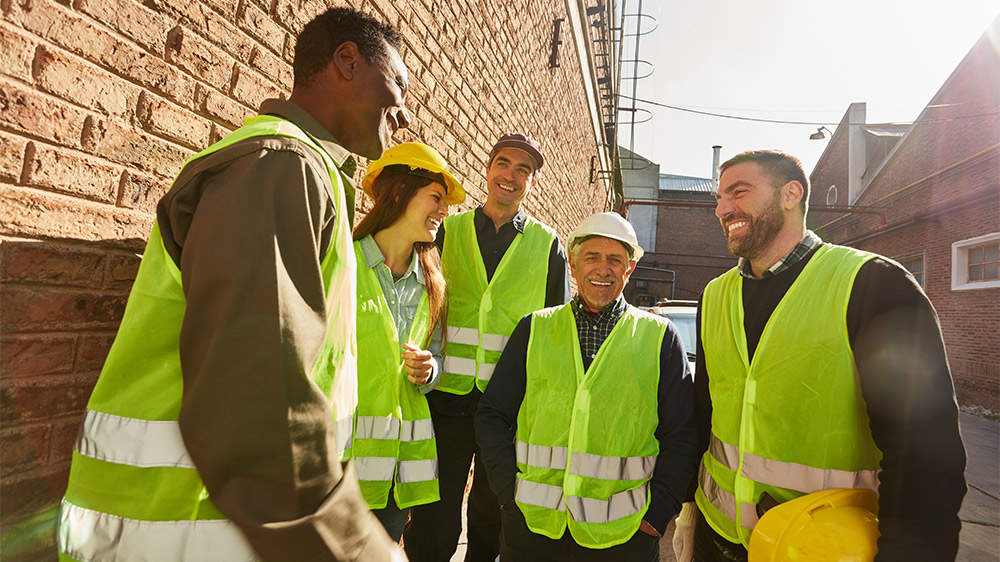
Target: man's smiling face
<point>509,177</point>
<point>748,205</point>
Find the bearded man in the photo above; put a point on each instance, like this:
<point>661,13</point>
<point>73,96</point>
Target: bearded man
<point>819,367</point>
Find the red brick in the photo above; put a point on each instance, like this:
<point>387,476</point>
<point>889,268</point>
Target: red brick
<point>132,19</point>
<point>84,84</point>
<point>141,192</point>
<point>274,68</point>
<point>251,88</point>
<point>32,499</point>
<point>16,53</point>
<point>62,438</point>
<point>122,270</point>
<point>295,14</point>
<point>24,447</point>
<point>167,120</point>
<point>112,139</point>
<point>221,108</point>
<point>259,25</point>
<point>199,58</point>
<point>37,354</point>
<point>29,213</point>
<point>11,157</point>
<point>41,116</point>
<point>61,170</point>
<point>43,399</point>
<point>38,308</point>
<point>92,351</point>
<point>35,261</point>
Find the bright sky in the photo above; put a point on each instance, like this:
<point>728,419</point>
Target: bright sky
<point>789,60</point>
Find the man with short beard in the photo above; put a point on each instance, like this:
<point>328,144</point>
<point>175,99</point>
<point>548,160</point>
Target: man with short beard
<point>819,367</point>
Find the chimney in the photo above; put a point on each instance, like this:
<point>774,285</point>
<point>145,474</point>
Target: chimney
<point>715,165</point>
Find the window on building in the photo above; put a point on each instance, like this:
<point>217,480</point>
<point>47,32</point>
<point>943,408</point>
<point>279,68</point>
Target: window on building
<point>984,262</point>
<point>976,263</point>
<point>915,265</point>
<point>831,195</point>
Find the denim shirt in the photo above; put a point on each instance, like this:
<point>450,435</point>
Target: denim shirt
<point>403,297</point>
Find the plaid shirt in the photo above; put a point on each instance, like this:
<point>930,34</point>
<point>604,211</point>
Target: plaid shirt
<point>593,331</point>
<point>809,243</point>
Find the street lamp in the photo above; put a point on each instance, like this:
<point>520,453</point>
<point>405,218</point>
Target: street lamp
<point>818,135</point>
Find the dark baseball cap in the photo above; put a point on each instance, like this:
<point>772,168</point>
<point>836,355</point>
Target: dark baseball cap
<point>520,142</point>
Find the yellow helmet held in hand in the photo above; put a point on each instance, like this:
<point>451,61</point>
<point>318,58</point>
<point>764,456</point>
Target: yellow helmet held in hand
<point>418,156</point>
<point>839,525</point>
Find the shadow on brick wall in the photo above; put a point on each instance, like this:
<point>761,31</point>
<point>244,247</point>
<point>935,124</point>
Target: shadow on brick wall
<point>61,303</point>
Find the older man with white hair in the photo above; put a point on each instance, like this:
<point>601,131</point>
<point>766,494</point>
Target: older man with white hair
<point>587,424</point>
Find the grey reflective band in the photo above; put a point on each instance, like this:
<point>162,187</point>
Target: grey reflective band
<point>541,457</point>
<point>790,475</point>
<point>132,441</point>
<point>85,534</point>
<point>418,471</point>
<point>612,468</point>
<point>464,336</point>
<point>725,502</point>
<point>417,430</point>
<point>345,434</point>
<point>459,366</point>
<point>375,468</point>
<point>618,506</point>
<point>494,342</point>
<point>542,495</point>
<point>377,427</point>
<point>486,371</point>
<point>805,479</point>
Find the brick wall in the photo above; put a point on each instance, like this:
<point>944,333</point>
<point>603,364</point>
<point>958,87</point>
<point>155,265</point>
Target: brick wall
<point>102,100</point>
<point>689,241</point>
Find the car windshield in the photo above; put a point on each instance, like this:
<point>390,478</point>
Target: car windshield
<point>686,327</point>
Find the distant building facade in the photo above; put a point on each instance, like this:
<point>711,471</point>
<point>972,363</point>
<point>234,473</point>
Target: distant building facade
<point>928,196</point>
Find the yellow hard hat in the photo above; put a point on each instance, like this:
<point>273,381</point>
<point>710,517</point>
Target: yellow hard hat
<point>839,525</point>
<point>418,156</point>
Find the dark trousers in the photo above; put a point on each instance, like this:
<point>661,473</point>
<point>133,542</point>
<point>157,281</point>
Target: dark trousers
<point>709,546</point>
<point>392,518</point>
<point>433,531</point>
<point>518,544</point>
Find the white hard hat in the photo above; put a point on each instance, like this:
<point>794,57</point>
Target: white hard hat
<point>608,225</point>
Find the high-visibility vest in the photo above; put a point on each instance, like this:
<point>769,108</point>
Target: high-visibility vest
<point>393,436</point>
<point>585,441</point>
<point>134,493</point>
<point>792,421</point>
<point>481,314</point>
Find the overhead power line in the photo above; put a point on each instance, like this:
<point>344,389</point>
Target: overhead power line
<point>786,122</point>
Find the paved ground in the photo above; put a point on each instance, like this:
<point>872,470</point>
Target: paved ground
<point>980,514</point>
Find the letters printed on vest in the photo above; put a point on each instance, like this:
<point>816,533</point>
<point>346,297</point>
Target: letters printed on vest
<point>792,421</point>
<point>394,444</point>
<point>481,314</point>
<point>585,439</point>
<point>134,493</point>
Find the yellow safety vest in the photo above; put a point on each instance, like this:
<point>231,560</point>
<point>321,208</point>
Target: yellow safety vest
<point>585,440</point>
<point>134,493</point>
<point>792,421</point>
<point>481,314</point>
<point>393,436</point>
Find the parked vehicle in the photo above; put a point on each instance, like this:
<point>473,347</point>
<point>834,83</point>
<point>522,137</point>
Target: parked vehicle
<point>682,314</point>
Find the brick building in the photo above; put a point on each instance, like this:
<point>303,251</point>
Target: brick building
<point>928,196</point>
<point>675,222</point>
<point>102,100</point>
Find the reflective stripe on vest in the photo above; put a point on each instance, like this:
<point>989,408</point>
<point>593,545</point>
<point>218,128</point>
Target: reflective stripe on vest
<point>584,464</point>
<point>565,430</point>
<point>394,447</point>
<point>754,450</point>
<point>481,313</point>
<point>134,493</point>
<point>85,534</point>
